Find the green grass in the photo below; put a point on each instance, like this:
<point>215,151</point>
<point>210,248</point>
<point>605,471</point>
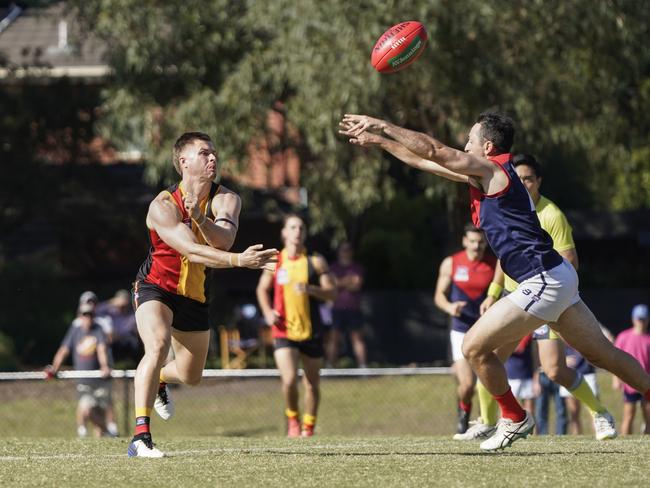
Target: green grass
<point>326,461</point>
<point>387,406</point>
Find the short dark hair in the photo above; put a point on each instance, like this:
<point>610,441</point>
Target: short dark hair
<point>497,128</point>
<point>469,227</point>
<point>183,141</point>
<point>292,215</point>
<point>528,160</point>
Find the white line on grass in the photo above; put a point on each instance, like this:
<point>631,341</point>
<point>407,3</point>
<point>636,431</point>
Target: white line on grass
<point>215,450</point>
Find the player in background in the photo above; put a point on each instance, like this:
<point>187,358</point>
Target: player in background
<point>550,348</point>
<point>636,342</point>
<point>300,281</point>
<point>548,284</point>
<point>461,288</point>
<point>191,226</point>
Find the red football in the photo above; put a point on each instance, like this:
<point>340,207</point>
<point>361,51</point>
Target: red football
<point>399,46</point>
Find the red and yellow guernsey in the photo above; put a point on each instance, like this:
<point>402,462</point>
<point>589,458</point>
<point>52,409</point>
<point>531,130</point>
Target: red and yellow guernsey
<point>167,268</point>
<point>299,315</point>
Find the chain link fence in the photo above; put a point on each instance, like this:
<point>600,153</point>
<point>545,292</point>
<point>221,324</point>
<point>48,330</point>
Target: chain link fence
<point>374,401</point>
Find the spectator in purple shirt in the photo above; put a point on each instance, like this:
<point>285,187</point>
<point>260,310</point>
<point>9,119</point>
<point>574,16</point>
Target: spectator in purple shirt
<point>125,341</point>
<point>346,310</point>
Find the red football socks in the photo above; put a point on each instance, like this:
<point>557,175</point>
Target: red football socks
<point>510,408</point>
<point>465,407</point>
<point>142,425</point>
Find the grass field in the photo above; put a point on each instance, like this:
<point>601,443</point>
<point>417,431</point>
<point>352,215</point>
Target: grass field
<point>385,406</point>
<point>326,461</point>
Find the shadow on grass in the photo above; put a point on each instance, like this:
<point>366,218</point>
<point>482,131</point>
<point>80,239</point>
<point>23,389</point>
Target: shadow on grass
<point>248,432</point>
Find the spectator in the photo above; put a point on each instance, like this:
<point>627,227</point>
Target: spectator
<point>87,343</point>
<point>346,310</point>
<point>125,342</point>
<point>106,324</point>
<point>636,342</point>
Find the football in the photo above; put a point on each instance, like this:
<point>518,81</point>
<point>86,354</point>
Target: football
<point>399,47</point>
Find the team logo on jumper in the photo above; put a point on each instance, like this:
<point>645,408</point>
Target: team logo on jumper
<point>526,291</point>
<point>461,274</point>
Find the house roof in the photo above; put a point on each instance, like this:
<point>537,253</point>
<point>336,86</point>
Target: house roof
<point>36,43</point>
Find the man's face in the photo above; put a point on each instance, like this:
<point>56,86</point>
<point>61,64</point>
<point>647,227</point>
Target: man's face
<point>199,159</point>
<point>474,243</point>
<point>86,320</point>
<point>476,145</point>
<point>294,232</point>
<point>530,180</point>
<point>640,323</point>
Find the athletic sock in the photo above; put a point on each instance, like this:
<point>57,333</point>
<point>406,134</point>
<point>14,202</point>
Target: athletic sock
<point>465,407</point>
<point>142,420</point>
<point>488,406</point>
<point>510,408</point>
<point>142,425</point>
<point>584,393</point>
<point>308,421</point>
<point>291,414</point>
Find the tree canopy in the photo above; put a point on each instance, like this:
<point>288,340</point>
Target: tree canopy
<point>575,75</point>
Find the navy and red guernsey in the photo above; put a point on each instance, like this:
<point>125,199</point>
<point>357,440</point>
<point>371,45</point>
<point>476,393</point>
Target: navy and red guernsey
<point>511,226</point>
<point>469,283</point>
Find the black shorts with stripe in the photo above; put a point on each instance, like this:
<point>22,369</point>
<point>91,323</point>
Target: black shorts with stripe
<point>189,315</point>
<point>311,347</point>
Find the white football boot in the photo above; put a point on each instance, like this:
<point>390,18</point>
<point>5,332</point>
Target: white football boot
<point>604,426</point>
<point>508,432</point>
<point>164,405</point>
<point>477,430</point>
<point>142,446</point>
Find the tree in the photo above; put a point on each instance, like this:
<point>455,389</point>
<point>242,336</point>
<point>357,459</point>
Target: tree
<point>574,74</point>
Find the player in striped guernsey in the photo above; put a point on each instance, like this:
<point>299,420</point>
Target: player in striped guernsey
<point>548,284</point>
<point>298,283</point>
<point>461,289</point>
<point>191,226</point>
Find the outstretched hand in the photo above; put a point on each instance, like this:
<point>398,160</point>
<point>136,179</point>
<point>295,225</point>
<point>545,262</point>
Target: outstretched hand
<point>355,125</point>
<point>257,258</point>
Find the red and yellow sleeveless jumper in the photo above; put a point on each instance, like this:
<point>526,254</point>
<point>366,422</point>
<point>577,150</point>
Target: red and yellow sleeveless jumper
<point>167,268</point>
<point>299,315</point>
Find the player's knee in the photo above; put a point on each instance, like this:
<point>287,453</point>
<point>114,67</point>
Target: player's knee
<point>193,379</point>
<point>470,348</point>
<point>159,347</point>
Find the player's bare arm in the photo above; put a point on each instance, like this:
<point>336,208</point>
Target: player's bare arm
<point>422,145</point>
<point>165,218</point>
<point>263,290</point>
<point>442,288</point>
<point>571,255</point>
<point>498,279</point>
<point>403,154</point>
<point>220,233</point>
<point>326,288</point>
